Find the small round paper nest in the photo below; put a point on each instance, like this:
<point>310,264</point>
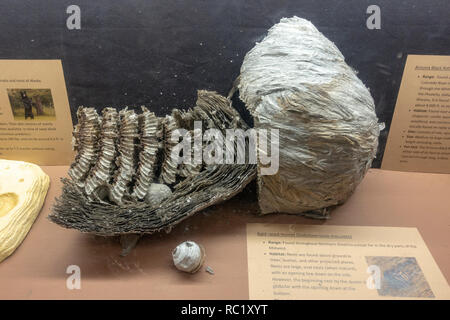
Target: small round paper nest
<point>297,81</point>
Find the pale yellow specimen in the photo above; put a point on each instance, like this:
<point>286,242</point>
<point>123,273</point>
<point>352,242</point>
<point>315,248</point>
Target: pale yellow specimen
<point>23,187</point>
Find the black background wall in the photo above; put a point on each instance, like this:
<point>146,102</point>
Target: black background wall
<point>159,52</point>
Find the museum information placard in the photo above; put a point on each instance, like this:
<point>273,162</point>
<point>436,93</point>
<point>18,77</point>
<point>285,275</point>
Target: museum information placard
<point>289,261</point>
<point>35,120</point>
<point>419,137</point>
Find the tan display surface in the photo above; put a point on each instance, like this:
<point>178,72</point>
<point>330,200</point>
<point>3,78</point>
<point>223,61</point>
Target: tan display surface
<point>45,138</point>
<point>37,270</point>
<point>419,136</point>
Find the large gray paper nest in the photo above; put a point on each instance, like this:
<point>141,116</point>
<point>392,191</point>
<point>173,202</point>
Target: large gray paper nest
<point>297,81</point>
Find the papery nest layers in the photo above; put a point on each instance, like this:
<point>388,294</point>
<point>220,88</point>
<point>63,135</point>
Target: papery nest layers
<point>121,154</point>
<point>297,81</point>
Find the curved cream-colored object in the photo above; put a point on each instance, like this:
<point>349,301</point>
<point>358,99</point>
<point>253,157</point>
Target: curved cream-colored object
<point>23,187</point>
